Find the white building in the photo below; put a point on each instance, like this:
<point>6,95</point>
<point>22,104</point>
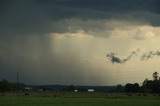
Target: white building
<point>28,88</point>
<point>91,90</point>
<point>76,90</point>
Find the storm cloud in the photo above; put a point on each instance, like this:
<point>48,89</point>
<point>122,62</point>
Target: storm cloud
<point>30,17</point>
<point>27,47</point>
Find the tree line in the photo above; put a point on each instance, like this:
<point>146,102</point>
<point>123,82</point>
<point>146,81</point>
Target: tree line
<point>6,86</point>
<point>148,86</point>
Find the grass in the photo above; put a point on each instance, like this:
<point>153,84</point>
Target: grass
<point>33,101</point>
<point>77,99</point>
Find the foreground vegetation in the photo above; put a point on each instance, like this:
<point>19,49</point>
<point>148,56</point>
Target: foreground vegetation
<point>51,94</point>
<point>78,99</point>
<point>51,101</point>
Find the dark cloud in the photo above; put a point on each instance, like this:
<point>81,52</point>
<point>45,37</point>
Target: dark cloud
<point>38,16</point>
<point>114,59</point>
<point>106,9</point>
<point>143,56</point>
<point>107,5</point>
<point>21,17</point>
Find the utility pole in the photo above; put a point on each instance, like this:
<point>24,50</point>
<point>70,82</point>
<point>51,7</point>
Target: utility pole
<point>17,83</point>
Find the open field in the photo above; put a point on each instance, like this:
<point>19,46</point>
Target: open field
<point>42,101</point>
<point>77,99</point>
<point>83,95</point>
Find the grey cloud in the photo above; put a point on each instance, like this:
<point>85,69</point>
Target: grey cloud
<point>108,5</point>
<point>115,59</point>
<point>150,55</point>
<point>143,56</point>
<point>107,9</point>
<point>20,17</point>
<point>23,18</point>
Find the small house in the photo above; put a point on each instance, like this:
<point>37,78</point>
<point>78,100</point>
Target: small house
<point>28,88</point>
<point>91,90</point>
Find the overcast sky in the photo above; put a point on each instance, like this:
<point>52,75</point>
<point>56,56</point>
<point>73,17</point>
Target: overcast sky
<point>80,42</point>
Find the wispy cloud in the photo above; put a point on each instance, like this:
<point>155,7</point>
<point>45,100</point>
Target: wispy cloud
<point>150,55</point>
<point>143,56</point>
<point>115,59</point>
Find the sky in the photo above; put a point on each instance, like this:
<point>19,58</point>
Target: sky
<point>79,42</point>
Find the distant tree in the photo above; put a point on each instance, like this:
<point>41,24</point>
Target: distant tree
<point>155,75</point>
<point>145,81</point>
<point>147,84</point>
<point>136,87</point>
<point>119,88</point>
<point>152,85</point>
<point>132,87</point>
<point>71,88</point>
<point>155,87</point>
<point>128,87</point>
<point>4,86</point>
<point>145,87</point>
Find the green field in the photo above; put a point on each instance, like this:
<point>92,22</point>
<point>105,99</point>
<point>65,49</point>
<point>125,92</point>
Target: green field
<point>16,101</point>
<point>78,99</point>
